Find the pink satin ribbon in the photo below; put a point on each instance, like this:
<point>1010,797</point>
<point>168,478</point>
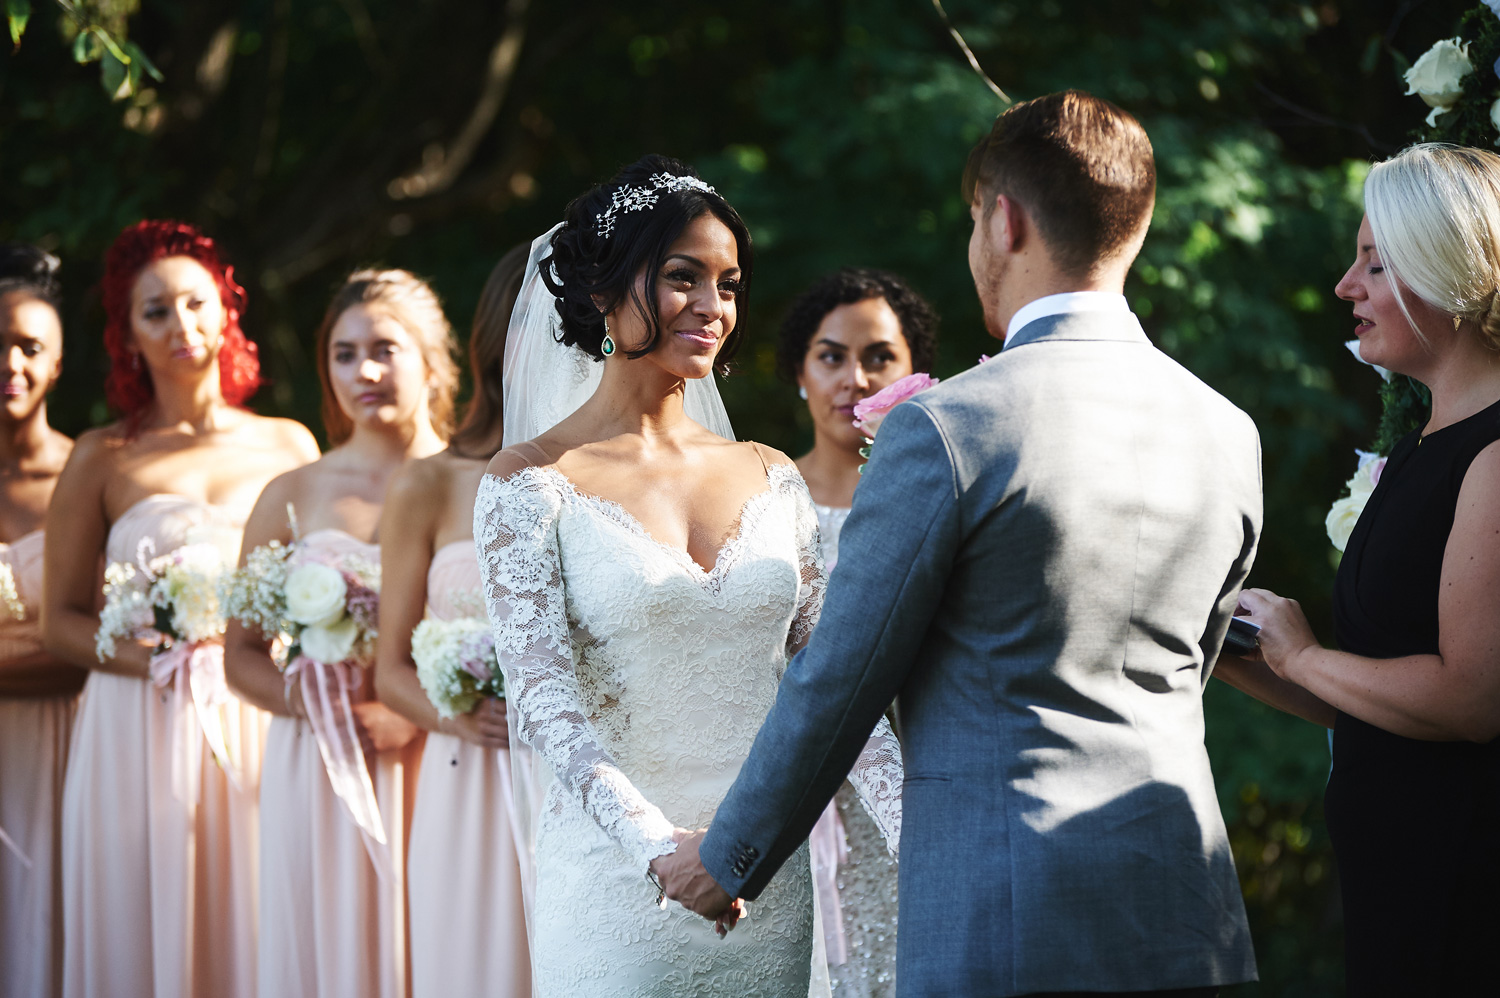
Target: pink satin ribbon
<point>195,672</point>
<point>331,715</point>
<point>830,849</point>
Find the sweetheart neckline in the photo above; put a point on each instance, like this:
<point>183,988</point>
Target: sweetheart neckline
<point>623,517</point>
<point>186,500</point>
<point>24,537</point>
<point>336,530</point>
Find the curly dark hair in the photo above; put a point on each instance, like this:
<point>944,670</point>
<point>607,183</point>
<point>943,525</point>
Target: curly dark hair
<point>28,268</point>
<point>586,266</point>
<point>919,321</point>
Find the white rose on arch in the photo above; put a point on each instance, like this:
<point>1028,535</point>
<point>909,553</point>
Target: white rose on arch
<point>315,595</point>
<point>1437,77</point>
<point>329,643</point>
<point>1342,518</point>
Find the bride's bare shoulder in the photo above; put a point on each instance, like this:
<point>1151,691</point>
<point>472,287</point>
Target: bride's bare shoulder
<point>756,453</point>
<point>517,457</point>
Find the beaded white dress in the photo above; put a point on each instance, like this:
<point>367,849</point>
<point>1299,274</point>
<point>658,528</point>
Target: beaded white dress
<point>641,679</point>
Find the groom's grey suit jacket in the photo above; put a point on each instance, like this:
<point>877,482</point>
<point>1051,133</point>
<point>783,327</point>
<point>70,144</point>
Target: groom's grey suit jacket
<point>1042,560</point>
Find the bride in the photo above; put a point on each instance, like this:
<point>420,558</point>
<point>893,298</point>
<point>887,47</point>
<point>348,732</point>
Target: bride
<point>646,578</point>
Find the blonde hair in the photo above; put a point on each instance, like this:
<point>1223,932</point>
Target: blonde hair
<point>410,301</point>
<point>1434,209</point>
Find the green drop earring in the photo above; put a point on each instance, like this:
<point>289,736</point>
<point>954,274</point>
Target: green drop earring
<point>608,346</point>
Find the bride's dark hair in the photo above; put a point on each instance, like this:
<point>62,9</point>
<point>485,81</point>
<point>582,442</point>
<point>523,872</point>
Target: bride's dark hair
<point>588,269</point>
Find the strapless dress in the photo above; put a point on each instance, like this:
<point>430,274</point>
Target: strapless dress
<point>34,734</point>
<point>468,926</point>
<point>329,926</point>
<point>158,892</point>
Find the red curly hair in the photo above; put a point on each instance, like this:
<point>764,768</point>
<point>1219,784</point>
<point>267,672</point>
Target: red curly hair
<point>128,387</point>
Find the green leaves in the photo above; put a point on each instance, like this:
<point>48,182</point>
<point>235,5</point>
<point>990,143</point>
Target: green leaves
<point>122,64</point>
<point>17,13</point>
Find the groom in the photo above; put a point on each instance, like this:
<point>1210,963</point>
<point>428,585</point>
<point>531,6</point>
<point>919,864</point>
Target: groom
<point>1042,561</point>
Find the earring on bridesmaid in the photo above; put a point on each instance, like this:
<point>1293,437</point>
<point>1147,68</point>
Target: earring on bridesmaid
<point>608,346</point>
<point>802,392</point>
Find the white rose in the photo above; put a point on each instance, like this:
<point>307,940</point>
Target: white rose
<point>330,643</point>
<point>1438,76</point>
<point>315,594</point>
<point>1342,518</point>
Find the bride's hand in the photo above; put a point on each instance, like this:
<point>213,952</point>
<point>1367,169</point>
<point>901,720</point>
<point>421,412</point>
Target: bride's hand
<point>726,922</point>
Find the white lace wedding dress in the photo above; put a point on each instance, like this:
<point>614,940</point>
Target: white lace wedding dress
<point>641,679</point>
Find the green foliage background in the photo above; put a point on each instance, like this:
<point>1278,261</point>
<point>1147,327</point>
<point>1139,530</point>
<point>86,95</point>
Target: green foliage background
<point>315,136</point>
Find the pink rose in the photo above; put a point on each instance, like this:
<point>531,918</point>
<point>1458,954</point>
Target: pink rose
<point>871,412</point>
<point>1376,467</point>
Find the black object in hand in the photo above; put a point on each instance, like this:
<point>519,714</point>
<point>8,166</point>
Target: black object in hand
<point>1243,636</point>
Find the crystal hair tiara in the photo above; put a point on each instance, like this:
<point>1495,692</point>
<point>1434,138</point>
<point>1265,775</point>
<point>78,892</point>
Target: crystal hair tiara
<point>628,198</point>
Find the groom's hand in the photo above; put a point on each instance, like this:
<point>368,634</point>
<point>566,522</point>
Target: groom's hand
<point>685,880</point>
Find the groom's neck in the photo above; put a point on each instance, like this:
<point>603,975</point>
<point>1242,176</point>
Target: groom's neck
<point>1038,277</point>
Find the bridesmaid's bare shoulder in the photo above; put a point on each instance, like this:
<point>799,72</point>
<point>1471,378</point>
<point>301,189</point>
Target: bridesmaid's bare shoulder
<point>280,433</point>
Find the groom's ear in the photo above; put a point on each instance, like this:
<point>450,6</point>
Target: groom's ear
<point>1010,226</point>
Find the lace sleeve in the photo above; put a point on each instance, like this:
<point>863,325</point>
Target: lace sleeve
<point>515,535</point>
<point>877,777</point>
<point>813,581</point>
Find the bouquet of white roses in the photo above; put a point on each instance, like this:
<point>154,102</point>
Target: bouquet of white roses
<point>176,594</point>
<point>322,612</point>
<point>456,663</point>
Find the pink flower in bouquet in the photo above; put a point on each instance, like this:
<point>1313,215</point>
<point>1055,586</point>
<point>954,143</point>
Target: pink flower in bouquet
<point>871,412</point>
<point>1376,468</point>
<point>363,603</point>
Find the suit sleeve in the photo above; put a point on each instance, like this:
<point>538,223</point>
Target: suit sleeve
<point>1229,595</point>
<point>896,553</point>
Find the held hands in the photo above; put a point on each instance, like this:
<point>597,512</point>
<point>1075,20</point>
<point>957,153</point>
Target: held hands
<point>484,726</point>
<point>381,729</point>
<point>684,880</point>
<point>1284,631</point>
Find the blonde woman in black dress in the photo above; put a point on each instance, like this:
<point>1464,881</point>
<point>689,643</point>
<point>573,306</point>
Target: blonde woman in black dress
<point>1413,691</point>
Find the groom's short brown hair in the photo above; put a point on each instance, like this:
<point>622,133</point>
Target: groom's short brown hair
<point>1081,167</point>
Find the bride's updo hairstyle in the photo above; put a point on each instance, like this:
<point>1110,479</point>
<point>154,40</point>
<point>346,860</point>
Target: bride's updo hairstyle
<point>1435,211</point>
<point>411,301</point>
<point>619,230</point>
<point>128,387</point>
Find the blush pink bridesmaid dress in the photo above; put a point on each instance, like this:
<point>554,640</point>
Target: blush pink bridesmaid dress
<point>159,892</point>
<point>34,733</point>
<point>468,926</point>
<point>330,926</point>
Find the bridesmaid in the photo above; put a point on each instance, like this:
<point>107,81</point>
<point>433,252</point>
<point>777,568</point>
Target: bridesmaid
<point>37,692</point>
<point>468,928</point>
<point>158,883</point>
<point>330,924</point>
<point>845,338</point>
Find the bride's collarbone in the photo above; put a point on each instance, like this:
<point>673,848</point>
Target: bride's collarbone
<point>696,510</point>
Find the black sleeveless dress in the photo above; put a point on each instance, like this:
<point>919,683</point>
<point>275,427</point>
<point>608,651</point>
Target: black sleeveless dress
<point>1415,824</point>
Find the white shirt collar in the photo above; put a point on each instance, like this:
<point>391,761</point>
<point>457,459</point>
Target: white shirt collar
<point>1066,303</point>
